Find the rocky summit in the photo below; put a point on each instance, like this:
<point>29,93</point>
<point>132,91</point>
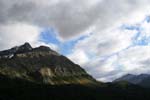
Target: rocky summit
<point>41,65</point>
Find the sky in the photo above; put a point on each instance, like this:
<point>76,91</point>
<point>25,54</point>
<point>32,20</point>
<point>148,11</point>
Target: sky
<point>108,38</point>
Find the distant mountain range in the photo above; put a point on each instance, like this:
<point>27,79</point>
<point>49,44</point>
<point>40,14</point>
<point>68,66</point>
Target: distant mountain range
<point>141,80</point>
<point>40,73</point>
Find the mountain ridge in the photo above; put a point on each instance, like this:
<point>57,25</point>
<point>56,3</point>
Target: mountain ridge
<point>41,65</point>
<point>141,79</point>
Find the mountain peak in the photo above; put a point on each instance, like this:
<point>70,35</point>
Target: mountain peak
<point>140,79</point>
<point>129,76</point>
<point>27,45</point>
<point>43,48</point>
<point>125,77</point>
<point>24,48</point>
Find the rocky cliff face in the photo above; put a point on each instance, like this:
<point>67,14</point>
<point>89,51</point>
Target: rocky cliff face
<point>41,65</point>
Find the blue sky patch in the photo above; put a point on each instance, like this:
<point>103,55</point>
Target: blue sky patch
<point>147,19</point>
<point>67,46</point>
<point>49,35</point>
<point>138,38</point>
<point>130,27</point>
<point>142,41</point>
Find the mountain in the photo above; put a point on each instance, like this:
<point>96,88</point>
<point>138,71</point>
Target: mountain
<point>40,73</point>
<point>142,79</point>
<point>41,65</point>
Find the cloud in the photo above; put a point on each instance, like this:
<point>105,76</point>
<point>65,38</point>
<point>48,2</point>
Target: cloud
<point>106,53</point>
<point>18,33</point>
<point>70,17</point>
<point>116,51</point>
<point>67,19</point>
<point>79,57</point>
<point>107,42</point>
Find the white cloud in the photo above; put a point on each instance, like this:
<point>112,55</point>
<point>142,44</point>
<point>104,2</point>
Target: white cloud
<point>131,59</point>
<point>79,57</point>
<point>18,33</point>
<point>107,42</point>
<point>104,50</point>
<point>112,53</point>
<point>71,17</point>
<point>134,60</point>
